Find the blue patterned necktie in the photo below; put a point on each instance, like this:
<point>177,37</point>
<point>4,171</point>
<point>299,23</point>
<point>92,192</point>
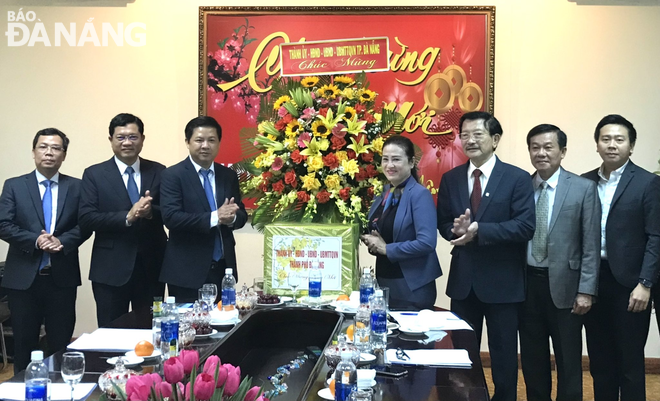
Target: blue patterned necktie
<point>47,205</point>
<point>210,197</point>
<point>131,186</point>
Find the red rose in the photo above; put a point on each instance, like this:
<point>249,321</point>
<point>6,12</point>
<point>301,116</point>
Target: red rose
<point>323,196</point>
<point>278,186</point>
<point>369,118</point>
<point>371,170</point>
<point>303,196</point>
<point>323,111</point>
<point>290,178</point>
<point>263,187</point>
<point>330,161</point>
<point>266,175</point>
<point>345,193</point>
<point>367,157</point>
<point>337,142</point>
<point>361,175</point>
<point>297,157</point>
<point>360,108</point>
<point>288,118</point>
<point>351,154</point>
<point>360,136</point>
<point>370,192</point>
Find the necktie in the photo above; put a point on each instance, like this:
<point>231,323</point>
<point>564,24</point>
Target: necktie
<point>540,240</point>
<point>47,205</point>
<point>475,198</point>
<point>210,197</point>
<point>131,186</point>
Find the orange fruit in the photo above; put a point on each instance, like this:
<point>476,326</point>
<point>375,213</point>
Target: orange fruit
<point>331,386</point>
<point>144,348</point>
<point>220,305</point>
<point>350,331</point>
<point>343,297</point>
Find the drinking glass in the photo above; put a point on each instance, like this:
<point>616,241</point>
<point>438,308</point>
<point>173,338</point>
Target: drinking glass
<point>208,293</point>
<point>294,280</point>
<point>73,368</point>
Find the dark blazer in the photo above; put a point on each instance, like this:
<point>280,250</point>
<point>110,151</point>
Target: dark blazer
<point>187,214</point>
<point>21,222</point>
<point>415,235</point>
<point>493,264</point>
<point>574,240</point>
<point>104,204</point>
<point>633,226</point>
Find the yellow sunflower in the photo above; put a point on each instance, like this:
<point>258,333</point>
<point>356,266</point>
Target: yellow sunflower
<point>293,129</point>
<point>329,91</point>
<point>367,96</point>
<point>309,82</point>
<point>319,129</point>
<point>344,80</point>
<point>279,102</point>
<point>349,113</point>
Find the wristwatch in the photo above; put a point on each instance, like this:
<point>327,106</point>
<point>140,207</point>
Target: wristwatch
<point>646,283</point>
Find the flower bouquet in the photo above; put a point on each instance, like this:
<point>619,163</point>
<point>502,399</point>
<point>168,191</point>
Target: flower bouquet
<point>215,382</point>
<point>321,143</point>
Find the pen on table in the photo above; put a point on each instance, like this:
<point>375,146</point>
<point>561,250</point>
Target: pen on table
<point>408,313</point>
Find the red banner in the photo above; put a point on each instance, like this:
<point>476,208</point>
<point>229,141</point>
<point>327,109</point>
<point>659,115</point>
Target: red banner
<point>334,57</point>
<point>441,62</point>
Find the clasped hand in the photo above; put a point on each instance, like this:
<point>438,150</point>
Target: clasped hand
<point>375,243</point>
<point>464,229</point>
<point>141,208</point>
<point>49,243</point>
<point>227,212</point>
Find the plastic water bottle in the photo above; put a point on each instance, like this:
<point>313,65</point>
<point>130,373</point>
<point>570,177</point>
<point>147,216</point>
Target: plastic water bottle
<point>36,378</point>
<point>228,289</point>
<point>315,280</point>
<point>156,321</point>
<point>378,321</point>
<point>169,340</point>
<point>362,328</point>
<point>366,287</point>
<point>345,377</point>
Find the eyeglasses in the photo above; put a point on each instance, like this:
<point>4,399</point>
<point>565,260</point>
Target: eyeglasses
<point>401,354</point>
<point>477,136</point>
<point>43,148</point>
<point>122,138</point>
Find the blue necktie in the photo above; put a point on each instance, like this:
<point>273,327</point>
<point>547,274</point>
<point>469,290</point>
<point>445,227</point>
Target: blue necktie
<point>131,186</point>
<point>208,190</point>
<point>47,205</point>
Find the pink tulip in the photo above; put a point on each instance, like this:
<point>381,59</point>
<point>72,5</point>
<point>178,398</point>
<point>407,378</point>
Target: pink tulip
<point>188,391</point>
<point>252,393</point>
<point>222,376</point>
<point>190,359</point>
<point>164,390</point>
<point>204,386</point>
<point>211,363</point>
<point>139,387</point>
<point>233,379</point>
<point>262,398</point>
<point>173,369</point>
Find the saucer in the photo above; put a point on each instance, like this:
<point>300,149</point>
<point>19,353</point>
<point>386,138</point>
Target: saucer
<point>155,354</point>
<point>325,394</point>
<point>128,361</point>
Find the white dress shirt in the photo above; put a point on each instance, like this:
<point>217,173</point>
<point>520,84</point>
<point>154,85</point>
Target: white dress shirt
<point>214,216</point>
<point>136,175</point>
<point>551,191</point>
<point>606,190</point>
<point>486,171</point>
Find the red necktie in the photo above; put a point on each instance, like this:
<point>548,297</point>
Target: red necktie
<point>475,198</point>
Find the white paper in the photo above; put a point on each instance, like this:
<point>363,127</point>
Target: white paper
<point>119,340</point>
<point>431,320</point>
<point>432,357</point>
<point>58,391</point>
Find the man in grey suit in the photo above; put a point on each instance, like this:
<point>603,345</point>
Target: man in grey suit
<point>562,269</point>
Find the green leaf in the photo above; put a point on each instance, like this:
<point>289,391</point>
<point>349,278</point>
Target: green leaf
<point>221,44</point>
<point>121,393</point>
<point>247,42</point>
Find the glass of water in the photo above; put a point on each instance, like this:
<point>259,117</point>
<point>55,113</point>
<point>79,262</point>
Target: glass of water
<point>73,368</point>
<point>208,294</point>
<point>294,280</point>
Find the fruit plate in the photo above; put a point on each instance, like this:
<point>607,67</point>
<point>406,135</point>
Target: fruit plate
<point>268,305</point>
<point>325,394</point>
<point>155,354</point>
<point>128,361</point>
<point>214,331</point>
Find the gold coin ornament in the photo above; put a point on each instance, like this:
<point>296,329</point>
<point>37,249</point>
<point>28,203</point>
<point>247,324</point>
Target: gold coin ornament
<point>456,76</point>
<point>471,97</point>
<point>438,93</point>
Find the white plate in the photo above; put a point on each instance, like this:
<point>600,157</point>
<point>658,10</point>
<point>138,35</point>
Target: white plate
<point>279,303</point>
<point>214,331</point>
<point>229,322</point>
<point>286,299</point>
<point>128,361</point>
<point>325,394</point>
<point>413,330</point>
<point>367,358</point>
<point>155,354</point>
<point>325,300</point>
<point>392,326</point>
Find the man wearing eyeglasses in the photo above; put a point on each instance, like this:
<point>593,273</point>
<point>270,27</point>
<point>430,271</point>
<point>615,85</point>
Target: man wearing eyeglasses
<point>120,203</point>
<point>39,221</point>
<point>486,210</point>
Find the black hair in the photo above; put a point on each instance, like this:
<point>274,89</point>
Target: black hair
<point>562,140</point>
<point>617,120</point>
<point>51,132</point>
<point>202,121</point>
<point>123,119</point>
<point>408,148</point>
<point>490,122</point>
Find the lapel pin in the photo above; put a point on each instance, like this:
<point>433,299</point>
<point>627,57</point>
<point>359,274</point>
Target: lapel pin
<point>487,194</point>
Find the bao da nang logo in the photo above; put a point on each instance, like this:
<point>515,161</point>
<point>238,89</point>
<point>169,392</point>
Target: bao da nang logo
<point>25,29</point>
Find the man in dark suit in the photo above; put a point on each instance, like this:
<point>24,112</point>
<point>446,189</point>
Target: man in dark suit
<point>562,269</point>
<point>39,220</point>
<point>120,202</point>
<point>618,324</point>
<point>201,205</point>
<point>486,210</point>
